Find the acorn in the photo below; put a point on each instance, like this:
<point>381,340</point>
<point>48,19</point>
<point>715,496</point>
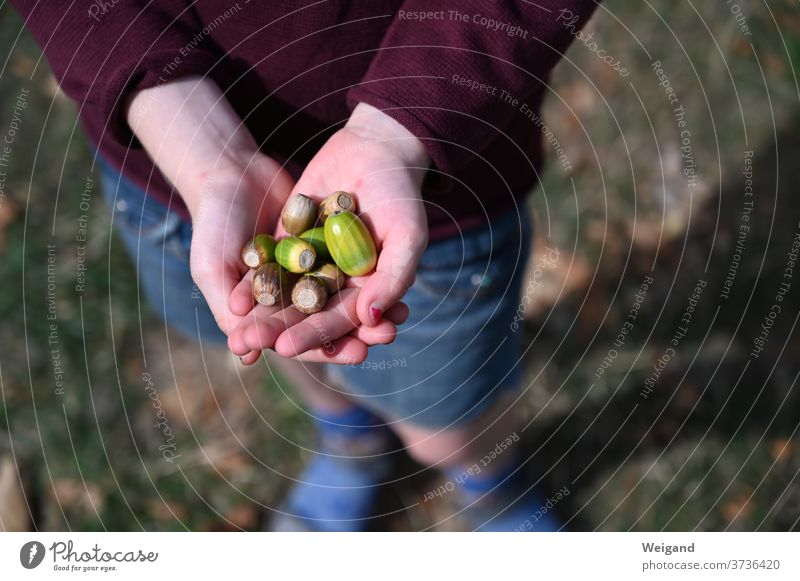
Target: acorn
<point>269,282</point>
<point>295,255</point>
<point>350,244</point>
<point>259,250</point>
<point>316,237</point>
<point>299,214</point>
<point>309,294</point>
<point>337,202</point>
<point>331,275</point>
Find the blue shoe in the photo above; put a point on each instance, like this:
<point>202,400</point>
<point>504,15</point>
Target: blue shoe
<point>506,502</point>
<point>338,490</point>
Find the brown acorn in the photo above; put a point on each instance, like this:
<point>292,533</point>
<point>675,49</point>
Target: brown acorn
<point>269,283</point>
<point>332,276</point>
<point>337,202</point>
<point>299,214</point>
<point>309,294</point>
<point>260,250</point>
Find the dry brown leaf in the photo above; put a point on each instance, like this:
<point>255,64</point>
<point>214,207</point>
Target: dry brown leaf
<point>243,516</point>
<point>166,510</point>
<point>74,494</point>
<point>8,214</point>
<point>781,449</point>
<point>552,274</point>
<point>231,464</point>
<point>14,516</point>
<point>738,508</point>
<point>53,89</point>
<point>22,66</point>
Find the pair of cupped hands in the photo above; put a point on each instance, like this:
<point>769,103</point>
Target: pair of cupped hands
<point>234,191</point>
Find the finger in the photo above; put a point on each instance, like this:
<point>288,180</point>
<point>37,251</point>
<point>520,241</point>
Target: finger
<point>393,276</point>
<point>216,284</point>
<point>241,301</point>
<point>383,333</point>
<point>260,329</point>
<point>320,329</point>
<point>345,351</point>
<point>398,314</point>
<point>250,358</point>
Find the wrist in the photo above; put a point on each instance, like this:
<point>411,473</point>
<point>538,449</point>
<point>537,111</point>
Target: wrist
<point>246,191</point>
<point>192,134</point>
<point>372,123</point>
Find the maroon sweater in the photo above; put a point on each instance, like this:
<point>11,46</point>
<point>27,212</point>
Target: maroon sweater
<point>464,76</point>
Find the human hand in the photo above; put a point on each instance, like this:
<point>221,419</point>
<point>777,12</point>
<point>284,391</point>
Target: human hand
<point>382,163</point>
<point>232,191</point>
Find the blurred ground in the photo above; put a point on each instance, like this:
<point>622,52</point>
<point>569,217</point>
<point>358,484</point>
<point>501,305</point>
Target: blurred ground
<point>712,446</point>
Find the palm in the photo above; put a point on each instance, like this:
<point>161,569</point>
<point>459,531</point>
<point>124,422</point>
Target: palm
<point>387,192</point>
<point>233,208</point>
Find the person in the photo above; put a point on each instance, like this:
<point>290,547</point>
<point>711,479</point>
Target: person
<point>206,116</point>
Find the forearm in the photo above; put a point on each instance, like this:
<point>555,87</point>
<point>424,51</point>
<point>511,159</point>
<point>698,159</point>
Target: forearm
<point>191,132</point>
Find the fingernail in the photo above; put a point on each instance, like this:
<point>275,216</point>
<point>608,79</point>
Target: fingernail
<point>375,313</point>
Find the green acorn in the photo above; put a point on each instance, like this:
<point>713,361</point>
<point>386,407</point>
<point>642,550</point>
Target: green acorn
<point>295,255</point>
<point>331,275</point>
<point>259,250</point>
<point>269,283</point>
<point>316,237</point>
<point>350,244</point>
<point>309,294</point>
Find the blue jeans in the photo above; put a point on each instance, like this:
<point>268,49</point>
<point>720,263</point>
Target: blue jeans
<point>158,240</point>
<point>456,354</point>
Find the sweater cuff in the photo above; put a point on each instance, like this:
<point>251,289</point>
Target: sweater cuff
<point>154,69</point>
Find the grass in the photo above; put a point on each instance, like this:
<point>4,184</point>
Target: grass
<point>713,449</point>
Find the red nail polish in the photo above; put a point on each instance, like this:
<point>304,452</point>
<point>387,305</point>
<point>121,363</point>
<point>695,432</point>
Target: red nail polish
<point>376,314</point>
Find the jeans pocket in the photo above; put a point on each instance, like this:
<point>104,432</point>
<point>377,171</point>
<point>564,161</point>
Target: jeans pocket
<point>481,264</point>
<point>471,280</point>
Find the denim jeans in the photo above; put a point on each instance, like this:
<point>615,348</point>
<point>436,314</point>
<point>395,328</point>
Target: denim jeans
<point>456,354</point>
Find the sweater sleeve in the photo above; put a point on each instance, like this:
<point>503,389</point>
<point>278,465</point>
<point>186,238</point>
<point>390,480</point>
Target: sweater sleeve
<point>449,71</point>
<point>103,51</point>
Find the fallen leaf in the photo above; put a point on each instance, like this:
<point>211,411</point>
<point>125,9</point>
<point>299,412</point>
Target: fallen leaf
<point>781,449</point>
<point>739,508</point>
<point>22,66</point>
<point>552,274</point>
<point>8,214</point>
<point>166,510</point>
<point>77,495</point>
<point>14,516</point>
<point>243,516</point>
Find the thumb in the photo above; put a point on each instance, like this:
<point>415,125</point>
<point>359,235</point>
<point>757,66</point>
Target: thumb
<point>394,274</point>
<point>216,281</point>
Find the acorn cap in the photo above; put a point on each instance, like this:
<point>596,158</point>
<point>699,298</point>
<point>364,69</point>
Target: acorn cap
<point>332,276</point>
<point>269,283</point>
<point>337,202</point>
<point>309,295</point>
